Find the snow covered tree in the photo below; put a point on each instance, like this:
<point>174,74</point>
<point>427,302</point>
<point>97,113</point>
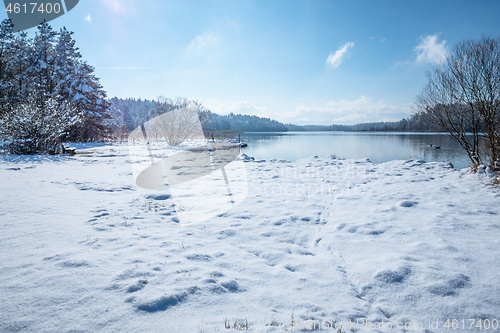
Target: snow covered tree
<point>20,65</point>
<point>90,98</point>
<point>42,69</point>
<point>34,129</point>
<point>15,54</point>
<point>115,124</point>
<point>6,54</point>
<point>48,73</point>
<point>66,65</point>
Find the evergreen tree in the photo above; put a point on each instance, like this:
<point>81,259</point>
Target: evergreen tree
<point>9,46</point>
<point>66,65</point>
<point>90,99</point>
<point>42,69</point>
<point>46,86</point>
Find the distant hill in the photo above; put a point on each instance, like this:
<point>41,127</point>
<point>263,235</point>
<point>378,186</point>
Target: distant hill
<point>133,112</point>
<point>241,123</point>
<point>415,123</point>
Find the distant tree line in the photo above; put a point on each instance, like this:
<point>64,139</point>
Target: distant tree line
<point>137,111</point>
<point>134,112</point>
<point>48,93</point>
<point>415,123</point>
<point>131,113</point>
<point>241,123</point>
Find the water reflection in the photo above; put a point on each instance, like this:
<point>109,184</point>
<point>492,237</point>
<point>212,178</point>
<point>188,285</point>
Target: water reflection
<point>379,147</point>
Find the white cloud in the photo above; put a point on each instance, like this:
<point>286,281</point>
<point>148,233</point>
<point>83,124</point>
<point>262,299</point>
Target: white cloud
<point>88,18</point>
<point>126,68</point>
<point>363,109</point>
<point>430,50</point>
<point>335,59</point>
<point>343,106</point>
<point>202,41</point>
<point>348,112</point>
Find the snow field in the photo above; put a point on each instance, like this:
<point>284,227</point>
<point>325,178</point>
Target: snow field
<point>319,240</point>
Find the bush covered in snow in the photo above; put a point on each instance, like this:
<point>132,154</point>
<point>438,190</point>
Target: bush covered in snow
<point>39,129</point>
<point>48,94</point>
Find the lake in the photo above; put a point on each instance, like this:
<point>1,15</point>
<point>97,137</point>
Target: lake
<point>378,147</point>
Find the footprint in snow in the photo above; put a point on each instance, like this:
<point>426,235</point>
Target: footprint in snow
<point>101,213</point>
<point>199,257</point>
<point>389,276</point>
<point>232,286</point>
<point>341,226</point>
<point>449,288</point>
<point>137,286</point>
<point>374,232</point>
<point>165,302</point>
<point>216,274</point>
<point>74,263</point>
<point>352,229</point>
<point>226,233</point>
<point>158,196</point>
<point>407,203</point>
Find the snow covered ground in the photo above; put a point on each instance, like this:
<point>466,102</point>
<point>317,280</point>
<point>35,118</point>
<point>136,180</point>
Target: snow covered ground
<point>317,243</point>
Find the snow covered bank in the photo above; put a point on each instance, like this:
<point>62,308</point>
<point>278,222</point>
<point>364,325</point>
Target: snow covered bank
<point>315,243</point>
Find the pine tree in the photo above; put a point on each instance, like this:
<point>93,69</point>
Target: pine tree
<point>21,63</point>
<point>43,59</point>
<point>48,93</point>
<point>6,56</point>
<point>90,99</point>
<point>66,65</point>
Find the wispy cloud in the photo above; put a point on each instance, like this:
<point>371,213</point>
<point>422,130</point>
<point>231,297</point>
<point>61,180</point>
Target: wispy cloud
<point>335,58</point>
<point>430,50</point>
<point>88,18</point>
<point>123,68</point>
<point>202,41</point>
<point>363,109</point>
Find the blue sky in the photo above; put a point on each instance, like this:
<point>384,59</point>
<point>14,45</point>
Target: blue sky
<point>305,62</point>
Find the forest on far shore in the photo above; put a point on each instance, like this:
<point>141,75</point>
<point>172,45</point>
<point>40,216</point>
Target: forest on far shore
<point>136,111</point>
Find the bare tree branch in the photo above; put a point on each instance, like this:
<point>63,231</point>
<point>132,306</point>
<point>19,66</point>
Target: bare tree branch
<point>462,96</point>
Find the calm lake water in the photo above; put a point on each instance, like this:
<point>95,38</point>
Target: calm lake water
<point>379,147</point>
